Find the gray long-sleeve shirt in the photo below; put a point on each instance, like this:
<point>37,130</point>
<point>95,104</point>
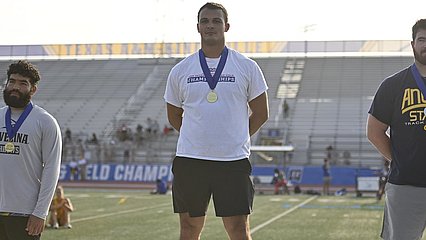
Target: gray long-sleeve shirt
<point>29,174</point>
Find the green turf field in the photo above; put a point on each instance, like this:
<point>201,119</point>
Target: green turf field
<point>114,214</point>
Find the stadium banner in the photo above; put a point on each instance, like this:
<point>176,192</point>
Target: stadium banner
<point>297,175</point>
<point>167,49</point>
<point>116,172</point>
<point>313,175</point>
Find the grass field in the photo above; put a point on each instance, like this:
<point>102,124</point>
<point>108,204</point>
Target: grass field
<point>131,214</point>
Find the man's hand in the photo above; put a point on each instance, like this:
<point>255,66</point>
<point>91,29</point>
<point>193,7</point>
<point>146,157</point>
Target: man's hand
<point>35,226</point>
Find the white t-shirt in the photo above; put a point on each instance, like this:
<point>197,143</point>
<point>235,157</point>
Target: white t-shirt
<point>219,130</point>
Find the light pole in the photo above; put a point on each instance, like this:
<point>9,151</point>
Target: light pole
<point>306,29</point>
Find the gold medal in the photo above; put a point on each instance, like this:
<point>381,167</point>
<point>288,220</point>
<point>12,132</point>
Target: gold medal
<point>211,97</point>
<point>9,147</point>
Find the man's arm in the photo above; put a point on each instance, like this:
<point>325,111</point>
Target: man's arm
<point>51,148</point>
<point>376,134</point>
<point>174,115</point>
<point>260,112</point>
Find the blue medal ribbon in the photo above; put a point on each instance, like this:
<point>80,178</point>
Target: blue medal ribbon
<point>419,79</point>
<point>11,131</point>
<point>213,80</point>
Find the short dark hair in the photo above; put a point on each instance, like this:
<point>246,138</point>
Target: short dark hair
<point>212,5</point>
<point>420,24</point>
<point>26,69</point>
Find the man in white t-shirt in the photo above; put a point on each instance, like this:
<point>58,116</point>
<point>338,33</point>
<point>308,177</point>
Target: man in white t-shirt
<point>30,155</point>
<point>216,99</point>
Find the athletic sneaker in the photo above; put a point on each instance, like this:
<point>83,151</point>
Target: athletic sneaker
<point>69,226</point>
<point>56,226</point>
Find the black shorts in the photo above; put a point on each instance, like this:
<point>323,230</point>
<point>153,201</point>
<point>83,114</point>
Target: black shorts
<point>13,228</point>
<point>195,181</point>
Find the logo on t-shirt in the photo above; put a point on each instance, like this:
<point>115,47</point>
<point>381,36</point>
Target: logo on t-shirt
<point>18,138</point>
<point>200,78</point>
<point>16,150</point>
<point>413,103</point>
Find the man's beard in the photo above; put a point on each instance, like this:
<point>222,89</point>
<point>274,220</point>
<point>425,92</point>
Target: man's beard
<point>14,101</point>
<point>419,57</point>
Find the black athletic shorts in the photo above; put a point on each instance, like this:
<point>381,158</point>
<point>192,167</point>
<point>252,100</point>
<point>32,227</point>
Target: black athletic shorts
<point>13,228</point>
<point>195,181</point>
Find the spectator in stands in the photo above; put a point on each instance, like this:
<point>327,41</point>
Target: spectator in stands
<point>279,180</point>
<point>166,130</point>
<point>60,210</point>
<point>155,127</point>
<point>68,137</point>
<point>82,160</point>
<point>149,125</point>
<point>72,149</point>
<point>30,156</point>
<point>215,125</point>
<point>346,157</point>
<point>286,108</point>
<point>123,133</point>
<point>64,153</point>
<point>326,177</point>
<point>109,149</point>
<point>66,144</point>
<point>82,164</point>
<point>138,136</point>
<point>398,105</point>
<point>160,187</point>
<point>98,153</point>
<point>139,128</point>
<point>94,139</point>
<point>329,152</point>
<point>74,170</point>
<point>290,154</point>
<point>127,150</point>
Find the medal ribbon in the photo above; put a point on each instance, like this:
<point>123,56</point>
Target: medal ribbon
<point>11,131</point>
<point>419,79</point>
<point>213,80</point>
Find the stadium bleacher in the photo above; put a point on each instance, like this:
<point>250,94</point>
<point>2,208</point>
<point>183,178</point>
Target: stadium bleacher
<point>332,104</point>
<point>329,106</point>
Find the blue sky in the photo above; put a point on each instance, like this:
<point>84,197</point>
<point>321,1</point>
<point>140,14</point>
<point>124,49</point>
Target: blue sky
<point>128,21</point>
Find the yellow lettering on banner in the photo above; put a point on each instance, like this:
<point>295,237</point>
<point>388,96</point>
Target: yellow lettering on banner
<point>116,48</point>
<point>181,48</point>
<point>124,49</point>
<point>135,49</point>
<point>158,48</point>
<point>78,49</point>
<point>55,50</point>
<point>242,47</point>
<point>142,48</point>
<point>173,48</point>
<point>178,48</point>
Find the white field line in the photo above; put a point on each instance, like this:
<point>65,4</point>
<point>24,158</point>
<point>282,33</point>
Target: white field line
<point>255,229</point>
<point>118,213</point>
